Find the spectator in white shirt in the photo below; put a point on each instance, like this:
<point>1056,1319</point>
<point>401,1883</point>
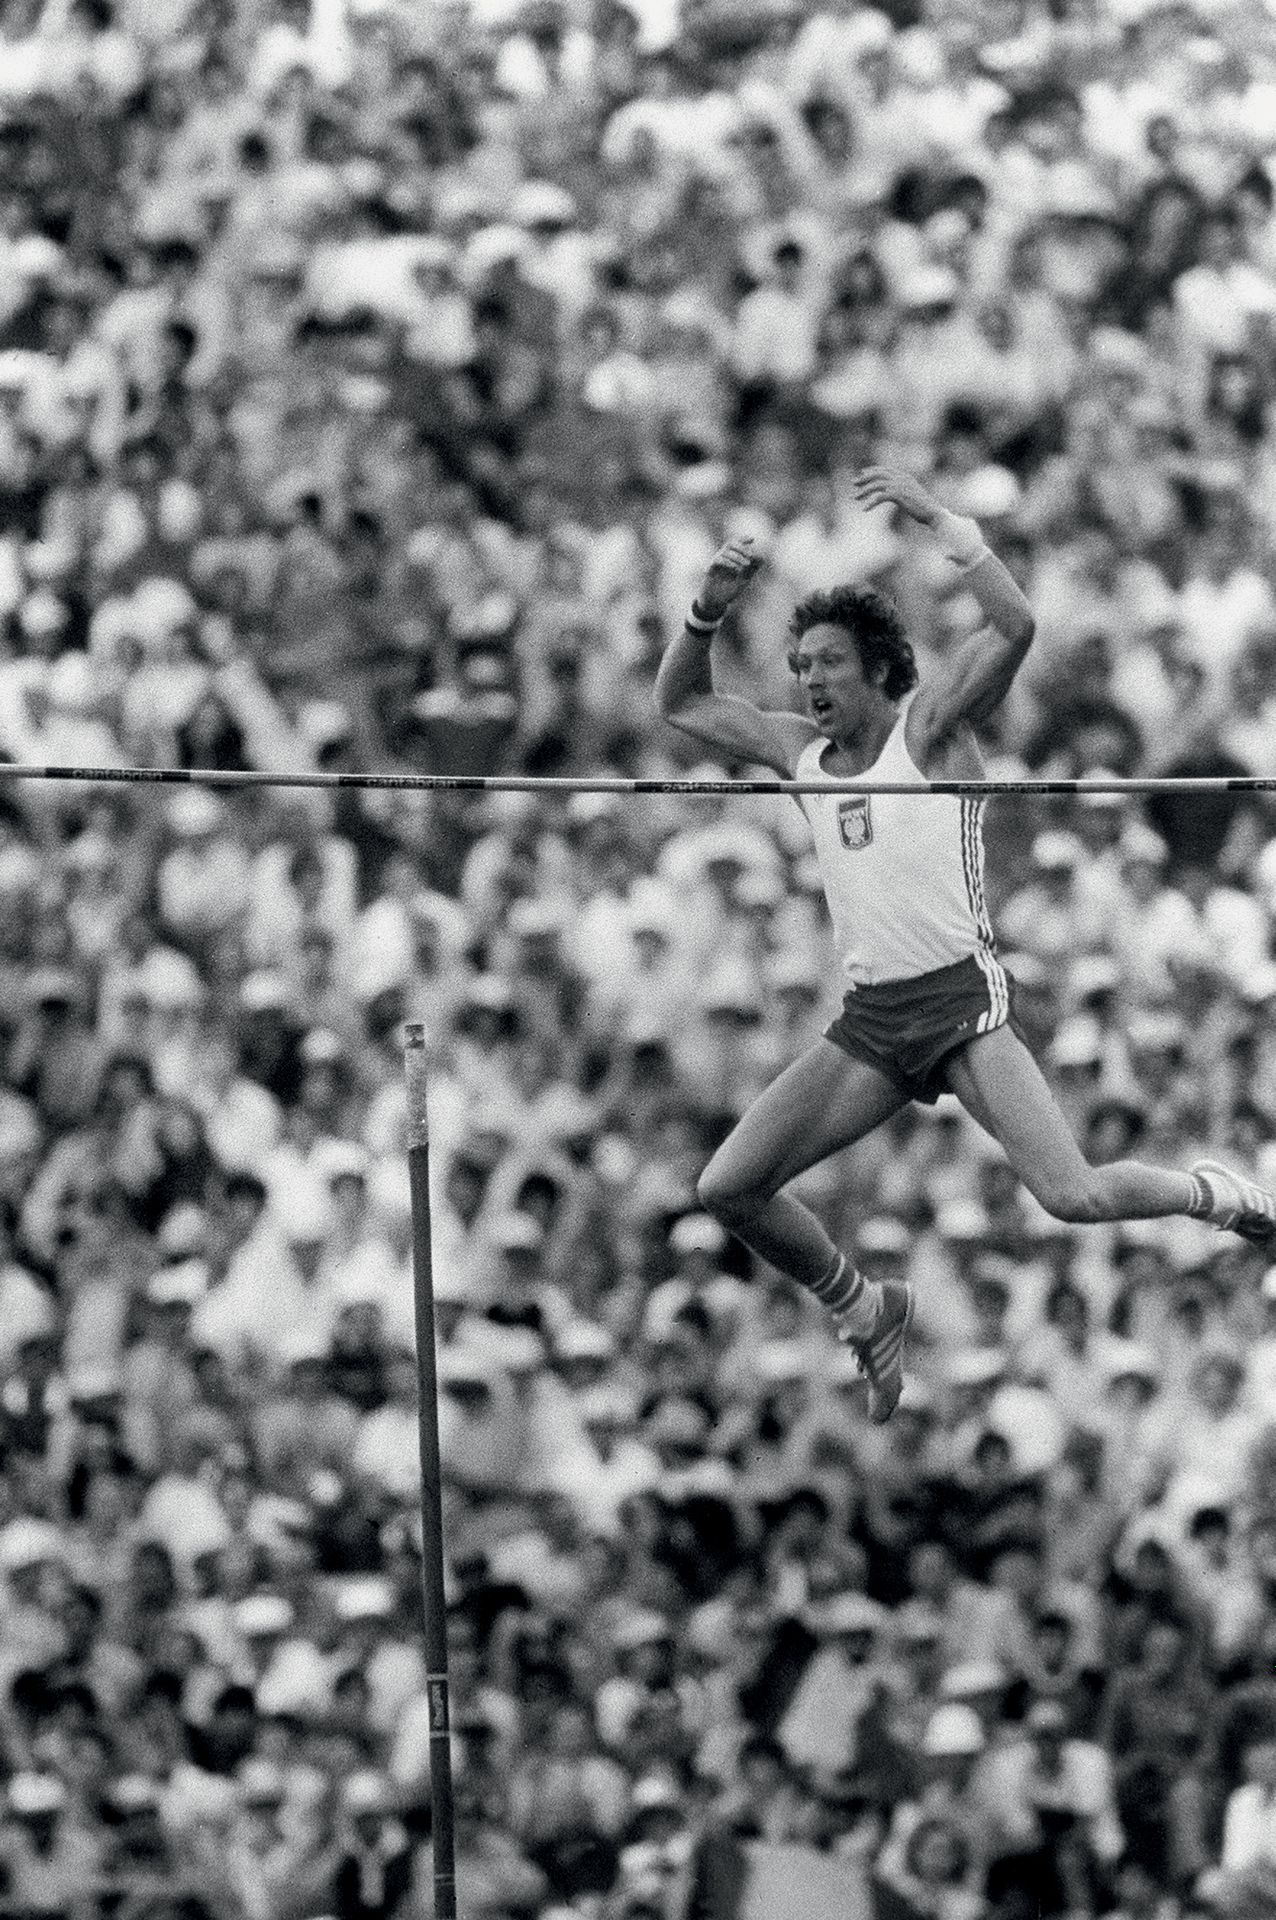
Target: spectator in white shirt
<point>1216,302</point>
<point>203,882</point>
<point>776,326</point>
<point>387,1447</point>
<point>1053,1793</point>
<point>1262,1353</point>
<point>1154,933</point>
<point>1249,1823</point>
<point>1225,600</point>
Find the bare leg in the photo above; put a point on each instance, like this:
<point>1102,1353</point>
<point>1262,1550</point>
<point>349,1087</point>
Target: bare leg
<point>1002,1087</point>
<point>825,1101</point>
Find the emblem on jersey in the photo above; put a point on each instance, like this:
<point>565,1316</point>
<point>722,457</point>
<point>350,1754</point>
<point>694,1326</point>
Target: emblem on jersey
<point>855,822</point>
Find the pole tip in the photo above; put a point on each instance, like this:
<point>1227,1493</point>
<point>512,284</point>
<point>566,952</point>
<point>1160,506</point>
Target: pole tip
<point>416,1069</point>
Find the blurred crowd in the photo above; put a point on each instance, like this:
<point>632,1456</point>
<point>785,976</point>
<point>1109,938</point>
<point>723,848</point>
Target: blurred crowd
<point>376,382</point>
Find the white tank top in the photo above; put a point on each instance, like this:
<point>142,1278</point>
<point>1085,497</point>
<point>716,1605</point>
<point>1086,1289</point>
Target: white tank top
<point>904,878</point>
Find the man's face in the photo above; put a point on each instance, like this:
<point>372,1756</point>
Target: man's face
<point>788,271</point>
<point>826,664</point>
<point>929,1569</point>
<point>1219,243</point>
<point>1218,1387</point>
<point>1048,1741</point>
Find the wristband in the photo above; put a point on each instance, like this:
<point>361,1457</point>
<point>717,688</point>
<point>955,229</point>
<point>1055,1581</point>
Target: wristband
<point>700,623</point>
<point>960,540</point>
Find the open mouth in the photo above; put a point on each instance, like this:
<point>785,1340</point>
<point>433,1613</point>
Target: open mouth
<point>821,707</point>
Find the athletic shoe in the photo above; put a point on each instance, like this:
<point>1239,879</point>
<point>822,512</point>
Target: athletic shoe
<point>1237,1204</point>
<point>880,1354</point>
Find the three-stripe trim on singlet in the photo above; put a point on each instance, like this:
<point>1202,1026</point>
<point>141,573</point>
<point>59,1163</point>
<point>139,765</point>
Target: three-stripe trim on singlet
<point>991,967</point>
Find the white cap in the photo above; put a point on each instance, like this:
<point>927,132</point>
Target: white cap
<point>195,812</point>
<point>564,1113</point>
<point>732,987</point>
<point>847,1613</point>
<point>367,1792</point>
<point>918,1623</point>
<point>300,1343</point>
<point>180,1285</point>
<point>489,247</point>
<point>540,203</point>
<point>533,919</point>
<point>135,1793</point>
<point>361,1279</point>
<point>100,1380</point>
<point>389,1195</point>
<point>490,992</point>
<point>1129,1359</point>
<point>654,1791</point>
<point>32,1794</point>
<point>515,1349</point>
<point>517,1232</point>
<point>71,684</point>
<point>26,1542</point>
<point>302,1209</point>
<point>1093,973</point>
<point>340,1160</point>
<point>790,969</point>
<point>170,980</point>
<point>976,1366</point>
<point>264,990</point>
<point>607,1406</point>
<point>1258,987</point>
<point>868,31</point>
<point>321,1047</point>
<point>643,1627</point>
<point>261,1783</point>
<point>1074,192</point>
<point>928,286</point>
<point>759,887</point>
<point>915,1396</point>
<point>970,1678</point>
<point>584,1340</point>
<point>263,1614</point>
<point>1138,844</point>
<point>1078,1042</point>
<point>363,1596</point>
<point>42,613</point>
<point>962,1220</point>
<point>324,722</point>
<point>1155,1032</point>
<point>883,1234</point>
<point>697,1233</point>
<point>780,1361</point>
<point>1056,852</point>
<point>990,493</point>
<point>953,1729</point>
<point>463,1366</point>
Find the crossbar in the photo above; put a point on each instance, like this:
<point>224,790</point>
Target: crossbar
<point>217,777</point>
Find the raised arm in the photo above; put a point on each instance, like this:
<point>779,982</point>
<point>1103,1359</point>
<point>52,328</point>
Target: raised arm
<point>685,693</point>
<point>974,682</point>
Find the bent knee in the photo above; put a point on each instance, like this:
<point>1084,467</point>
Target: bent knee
<point>724,1194</point>
<point>1077,1201</point>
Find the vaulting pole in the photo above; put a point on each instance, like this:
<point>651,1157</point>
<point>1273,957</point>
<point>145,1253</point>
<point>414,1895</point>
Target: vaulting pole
<point>442,1825</point>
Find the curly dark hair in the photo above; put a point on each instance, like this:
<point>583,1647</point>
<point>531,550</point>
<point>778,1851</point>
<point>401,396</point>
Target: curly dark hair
<point>872,623</point>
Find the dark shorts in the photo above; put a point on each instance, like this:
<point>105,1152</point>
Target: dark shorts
<point>908,1028</point>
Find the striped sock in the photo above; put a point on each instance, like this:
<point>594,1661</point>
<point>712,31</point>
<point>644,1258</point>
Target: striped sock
<point>1203,1201</point>
<point>845,1292</point>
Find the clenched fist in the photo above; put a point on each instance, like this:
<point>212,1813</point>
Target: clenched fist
<point>730,571</point>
